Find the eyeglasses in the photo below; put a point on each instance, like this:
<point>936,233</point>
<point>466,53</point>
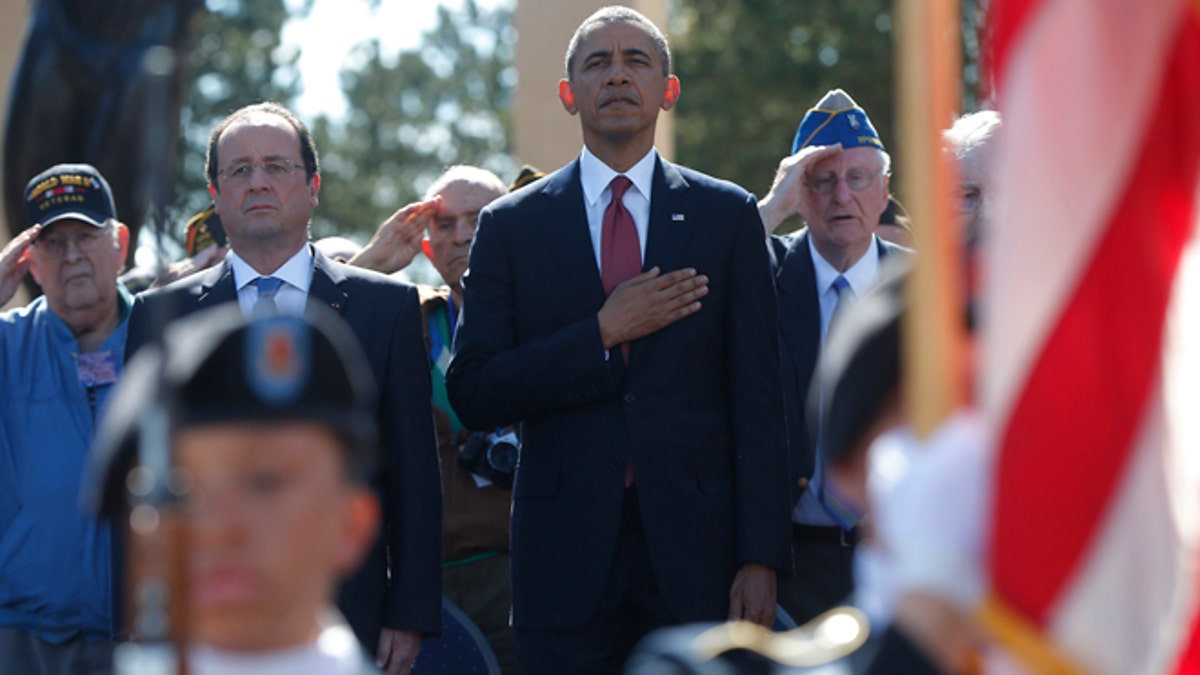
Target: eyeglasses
<point>54,246</point>
<point>275,170</point>
<point>855,180</point>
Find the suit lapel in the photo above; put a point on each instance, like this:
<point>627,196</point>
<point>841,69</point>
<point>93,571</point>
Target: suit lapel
<point>565,230</point>
<point>325,286</point>
<point>669,232</point>
<point>800,311</point>
<point>217,287</point>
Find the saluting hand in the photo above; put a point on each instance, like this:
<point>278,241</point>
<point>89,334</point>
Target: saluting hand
<point>15,261</point>
<point>398,239</point>
<point>788,191</point>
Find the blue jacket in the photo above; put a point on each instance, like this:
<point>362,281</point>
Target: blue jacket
<point>55,562</point>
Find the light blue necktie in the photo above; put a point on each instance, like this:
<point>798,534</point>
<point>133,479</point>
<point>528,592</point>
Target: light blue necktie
<point>267,288</point>
<point>845,298</point>
<point>840,512</point>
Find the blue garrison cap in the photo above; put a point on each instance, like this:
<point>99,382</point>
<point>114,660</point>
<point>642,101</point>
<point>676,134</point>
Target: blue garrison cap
<point>836,119</point>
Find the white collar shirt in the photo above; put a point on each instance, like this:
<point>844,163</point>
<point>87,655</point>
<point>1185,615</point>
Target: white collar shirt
<point>335,652</point>
<point>595,176</point>
<point>862,277</point>
<point>292,295</point>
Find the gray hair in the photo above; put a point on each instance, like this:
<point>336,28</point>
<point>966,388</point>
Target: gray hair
<point>971,132</point>
<point>615,14</point>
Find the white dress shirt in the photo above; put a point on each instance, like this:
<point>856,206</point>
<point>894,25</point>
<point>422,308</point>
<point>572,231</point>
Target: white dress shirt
<point>335,652</point>
<point>862,277</point>
<point>595,176</point>
<point>296,275</point>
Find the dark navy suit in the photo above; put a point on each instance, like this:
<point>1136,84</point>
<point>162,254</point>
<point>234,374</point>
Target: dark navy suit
<point>699,406</point>
<point>826,581</point>
<point>385,315</point>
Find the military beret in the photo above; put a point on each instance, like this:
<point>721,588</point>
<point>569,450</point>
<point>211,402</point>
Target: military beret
<point>215,367</point>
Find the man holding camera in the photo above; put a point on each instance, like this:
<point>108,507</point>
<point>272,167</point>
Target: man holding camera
<point>477,467</point>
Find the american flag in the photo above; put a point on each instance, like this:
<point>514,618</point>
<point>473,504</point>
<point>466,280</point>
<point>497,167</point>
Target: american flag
<point>1091,315</point>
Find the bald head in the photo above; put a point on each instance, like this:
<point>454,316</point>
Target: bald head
<point>464,191</point>
<point>470,175</point>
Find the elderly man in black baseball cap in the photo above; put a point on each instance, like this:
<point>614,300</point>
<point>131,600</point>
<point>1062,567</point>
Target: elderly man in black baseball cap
<point>271,421</point>
<point>59,358</point>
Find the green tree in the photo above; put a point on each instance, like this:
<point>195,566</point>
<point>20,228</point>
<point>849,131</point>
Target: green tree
<point>410,115</point>
<point>445,102</point>
<point>751,68</point>
<point>236,58</point>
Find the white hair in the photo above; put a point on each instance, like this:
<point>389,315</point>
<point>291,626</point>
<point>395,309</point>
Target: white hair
<point>971,132</point>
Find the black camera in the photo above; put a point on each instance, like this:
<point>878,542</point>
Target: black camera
<point>492,456</point>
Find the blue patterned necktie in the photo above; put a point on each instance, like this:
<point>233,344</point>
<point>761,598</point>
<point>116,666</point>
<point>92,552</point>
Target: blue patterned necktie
<point>267,288</point>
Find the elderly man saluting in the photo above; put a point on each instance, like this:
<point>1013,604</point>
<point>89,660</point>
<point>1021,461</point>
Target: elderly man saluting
<point>837,178</point>
<point>59,358</point>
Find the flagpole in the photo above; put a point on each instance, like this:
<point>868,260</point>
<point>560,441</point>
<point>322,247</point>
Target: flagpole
<point>929,54</point>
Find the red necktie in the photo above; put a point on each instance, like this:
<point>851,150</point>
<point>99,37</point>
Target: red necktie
<point>620,259</point>
<point>620,252</point>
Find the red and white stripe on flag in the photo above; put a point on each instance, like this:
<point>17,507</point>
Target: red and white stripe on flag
<point>1091,348</point>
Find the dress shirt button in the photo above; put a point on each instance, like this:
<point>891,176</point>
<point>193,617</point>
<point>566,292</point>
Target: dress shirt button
<point>629,398</point>
<point>802,483</point>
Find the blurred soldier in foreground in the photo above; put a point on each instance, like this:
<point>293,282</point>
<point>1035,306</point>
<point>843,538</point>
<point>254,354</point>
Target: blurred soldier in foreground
<point>273,427</point>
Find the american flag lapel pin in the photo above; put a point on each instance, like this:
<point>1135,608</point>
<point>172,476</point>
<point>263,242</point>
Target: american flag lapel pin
<point>677,217</point>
